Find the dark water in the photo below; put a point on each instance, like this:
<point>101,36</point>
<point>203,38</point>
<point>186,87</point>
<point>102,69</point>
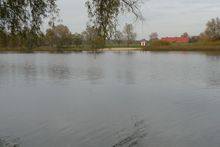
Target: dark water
<point>93,100</point>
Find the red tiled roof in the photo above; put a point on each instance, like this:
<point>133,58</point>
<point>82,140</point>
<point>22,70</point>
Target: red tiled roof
<point>176,39</point>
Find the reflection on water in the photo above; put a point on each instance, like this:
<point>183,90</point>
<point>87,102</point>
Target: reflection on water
<point>93,74</point>
<point>59,72</point>
<point>8,142</point>
<point>28,70</point>
<point>213,70</point>
<point>85,99</point>
<point>62,68</point>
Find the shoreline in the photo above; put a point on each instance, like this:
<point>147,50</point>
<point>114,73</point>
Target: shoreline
<point>122,49</point>
<point>116,49</point>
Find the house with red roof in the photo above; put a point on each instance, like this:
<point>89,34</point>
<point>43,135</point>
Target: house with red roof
<point>176,39</point>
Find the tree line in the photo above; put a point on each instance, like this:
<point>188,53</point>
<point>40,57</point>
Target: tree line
<point>20,22</point>
<point>60,36</point>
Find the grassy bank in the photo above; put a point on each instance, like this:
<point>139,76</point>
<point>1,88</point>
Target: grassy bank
<point>207,46</point>
<point>133,45</point>
<point>183,48</point>
<point>70,49</point>
<point>45,49</point>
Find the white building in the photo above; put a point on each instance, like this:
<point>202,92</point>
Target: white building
<point>143,42</point>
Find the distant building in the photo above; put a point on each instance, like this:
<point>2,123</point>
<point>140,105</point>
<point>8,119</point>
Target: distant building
<point>143,42</point>
<point>176,39</point>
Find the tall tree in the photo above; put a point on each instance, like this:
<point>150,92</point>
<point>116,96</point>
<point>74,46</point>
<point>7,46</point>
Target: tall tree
<point>213,29</point>
<point>104,13</point>
<point>90,34</point>
<point>59,36</point>
<point>91,37</point>
<point>185,35</point>
<point>153,36</point>
<point>3,38</point>
<point>118,37</point>
<point>77,39</point>
<point>15,15</point>
<point>129,33</point>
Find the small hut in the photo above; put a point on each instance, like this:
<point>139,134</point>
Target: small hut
<point>143,42</point>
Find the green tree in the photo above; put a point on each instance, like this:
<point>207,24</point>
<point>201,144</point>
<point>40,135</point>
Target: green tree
<point>213,29</point>
<point>92,38</point>
<point>185,35</point>
<point>153,36</point>
<point>14,40</point>
<point>26,39</point>
<point>90,34</point>
<point>29,39</point>
<point>3,38</point>
<point>129,33</point>
<point>58,36</point>
<point>204,38</point>
<point>49,37</point>
<point>77,39</point>
<point>118,37</point>
<point>104,14</point>
<point>15,15</point>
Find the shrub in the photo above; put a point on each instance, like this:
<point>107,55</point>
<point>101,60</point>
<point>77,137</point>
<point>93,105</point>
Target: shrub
<point>159,43</point>
<point>98,43</point>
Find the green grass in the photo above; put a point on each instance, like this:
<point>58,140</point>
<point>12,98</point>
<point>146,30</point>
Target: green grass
<point>199,46</point>
<point>64,49</point>
<point>134,45</point>
<point>46,49</point>
<point>186,47</point>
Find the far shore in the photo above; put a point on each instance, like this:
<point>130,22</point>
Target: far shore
<point>193,48</point>
<point>43,49</point>
<point>121,49</point>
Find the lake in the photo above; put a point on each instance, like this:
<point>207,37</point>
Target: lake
<point>97,100</point>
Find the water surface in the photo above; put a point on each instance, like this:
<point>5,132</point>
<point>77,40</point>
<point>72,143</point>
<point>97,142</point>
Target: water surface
<point>93,100</point>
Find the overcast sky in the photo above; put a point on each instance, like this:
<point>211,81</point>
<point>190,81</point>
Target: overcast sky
<point>167,17</point>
